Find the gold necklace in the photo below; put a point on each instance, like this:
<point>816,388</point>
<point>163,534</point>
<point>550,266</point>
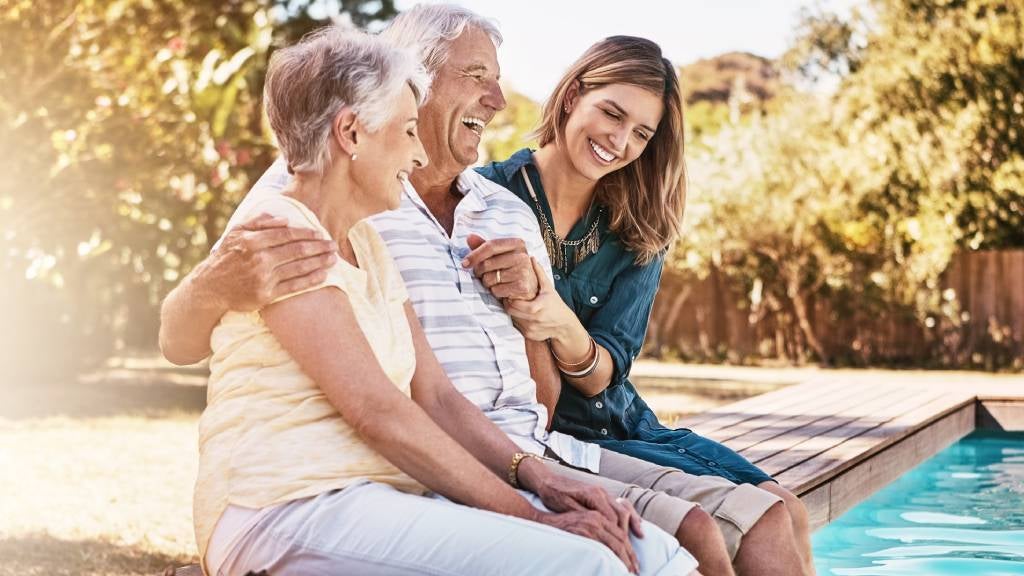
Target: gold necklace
<point>557,248</point>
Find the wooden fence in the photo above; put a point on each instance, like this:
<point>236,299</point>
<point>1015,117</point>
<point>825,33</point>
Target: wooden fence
<point>712,320</point>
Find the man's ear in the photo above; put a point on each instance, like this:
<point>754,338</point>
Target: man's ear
<point>346,131</point>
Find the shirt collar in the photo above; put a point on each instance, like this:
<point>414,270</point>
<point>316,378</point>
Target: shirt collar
<point>474,189</point>
<point>515,162</point>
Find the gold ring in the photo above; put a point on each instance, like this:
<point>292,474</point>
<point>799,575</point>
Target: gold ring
<point>497,276</point>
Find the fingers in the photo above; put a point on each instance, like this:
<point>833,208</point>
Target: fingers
<point>305,266</point>
<point>474,241</point>
<point>311,280</point>
<point>262,239</point>
<point>492,248</point>
<point>503,262</point>
<point>618,542</point>
<point>635,522</point>
<point>284,254</point>
<point>543,276</point>
<point>263,222</point>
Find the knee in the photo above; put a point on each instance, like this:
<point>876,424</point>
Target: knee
<point>794,507</point>
<point>697,524</point>
<point>797,510</point>
<point>776,522</point>
<point>699,531</point>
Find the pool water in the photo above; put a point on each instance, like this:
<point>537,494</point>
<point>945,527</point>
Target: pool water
<point>960,513</point>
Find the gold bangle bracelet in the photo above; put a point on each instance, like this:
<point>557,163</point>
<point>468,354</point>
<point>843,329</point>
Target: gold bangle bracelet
<point>513,469</point>
<point>570,365</point>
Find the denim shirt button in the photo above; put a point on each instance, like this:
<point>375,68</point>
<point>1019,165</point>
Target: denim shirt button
<point>558,276</point>
<point>598,404</point>
<point>593,299</point>
<point>681,450</point>
<point>604,431</point>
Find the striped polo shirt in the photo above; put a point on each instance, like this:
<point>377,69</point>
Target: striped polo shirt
<point>472,336</point>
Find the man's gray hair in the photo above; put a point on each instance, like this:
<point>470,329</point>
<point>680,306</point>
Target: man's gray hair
<point>429,29</point>
<point>310,82</point>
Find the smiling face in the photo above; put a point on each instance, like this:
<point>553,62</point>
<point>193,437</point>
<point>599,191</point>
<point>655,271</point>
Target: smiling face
<point>609,127</point>
<point>464,97</point>
<point>387,156</point>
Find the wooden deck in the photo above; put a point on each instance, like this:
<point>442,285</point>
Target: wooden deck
<point>837,438</point>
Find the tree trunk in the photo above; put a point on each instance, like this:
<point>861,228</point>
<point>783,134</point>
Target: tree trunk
<point>799,301</point>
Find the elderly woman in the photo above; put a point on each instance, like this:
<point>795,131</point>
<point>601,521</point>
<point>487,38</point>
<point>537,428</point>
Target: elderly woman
<point>319,448</point>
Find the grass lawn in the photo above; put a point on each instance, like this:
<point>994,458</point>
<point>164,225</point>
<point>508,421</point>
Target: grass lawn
<point>96,477</point>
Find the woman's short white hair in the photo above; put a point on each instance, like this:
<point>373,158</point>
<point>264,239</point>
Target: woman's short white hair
<point>429,30</point>
<point>310,82</point>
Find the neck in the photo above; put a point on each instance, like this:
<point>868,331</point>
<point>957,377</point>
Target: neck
<point>566,189</point>
<point>331,197</point>
<point>434,187</point>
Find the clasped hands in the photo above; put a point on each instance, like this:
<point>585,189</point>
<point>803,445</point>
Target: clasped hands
<point>526,290</point>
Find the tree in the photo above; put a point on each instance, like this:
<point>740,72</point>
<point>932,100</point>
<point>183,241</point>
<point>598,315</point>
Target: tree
<point>128,130</point>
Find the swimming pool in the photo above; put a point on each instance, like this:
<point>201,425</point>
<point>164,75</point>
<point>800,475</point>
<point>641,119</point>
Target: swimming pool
<point>959,513</point>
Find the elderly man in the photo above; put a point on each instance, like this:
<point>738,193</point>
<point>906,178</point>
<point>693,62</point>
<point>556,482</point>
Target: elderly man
<point>482,353</point>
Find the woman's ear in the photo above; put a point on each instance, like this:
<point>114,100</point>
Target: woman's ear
<point>345,131</point>
<point>572,96</point>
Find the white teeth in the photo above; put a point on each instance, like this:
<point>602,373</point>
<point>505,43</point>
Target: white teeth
<point>475,124</point>
<point>601,152</point>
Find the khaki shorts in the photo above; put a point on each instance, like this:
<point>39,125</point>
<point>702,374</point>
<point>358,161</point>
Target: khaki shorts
<point>664,496</point>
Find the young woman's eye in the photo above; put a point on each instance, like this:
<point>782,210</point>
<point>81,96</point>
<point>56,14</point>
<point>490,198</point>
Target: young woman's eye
<point>611,114</point>
<point>643,136</point>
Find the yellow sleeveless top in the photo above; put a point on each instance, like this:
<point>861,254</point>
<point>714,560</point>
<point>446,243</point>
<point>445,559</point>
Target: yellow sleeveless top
<point>268,434</point>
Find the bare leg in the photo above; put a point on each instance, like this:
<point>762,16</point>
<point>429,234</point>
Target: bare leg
<point>769,549</point>
<point>700,536</point>
<point>801,522</point>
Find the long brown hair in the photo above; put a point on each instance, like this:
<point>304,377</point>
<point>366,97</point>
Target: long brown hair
<point>645,199</point>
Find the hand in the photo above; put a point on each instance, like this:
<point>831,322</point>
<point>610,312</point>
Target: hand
<point>563,494</point>
<point>545,316</point>
<point>264,259</point>
<point>596,526</point>
<point>507,256</point>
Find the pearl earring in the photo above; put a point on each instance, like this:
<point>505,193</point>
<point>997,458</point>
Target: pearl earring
<point>354,156</point>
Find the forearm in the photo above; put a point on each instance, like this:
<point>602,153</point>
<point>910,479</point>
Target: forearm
<point>572,344</point>
<point>545,374</point>
<point>187,319</point>
<point>414,442</point>
<point>472,429</point>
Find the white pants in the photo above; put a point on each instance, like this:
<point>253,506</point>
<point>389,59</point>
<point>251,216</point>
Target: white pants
<point>373,529</point>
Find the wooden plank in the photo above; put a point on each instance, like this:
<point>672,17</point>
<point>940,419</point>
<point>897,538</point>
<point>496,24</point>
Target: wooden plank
<point>812,473</point>
<point>726,416</point>
<point>862,481</point>
<point>998,415</point>
<point>817,503</point>
<point>779,454</point>
<point>813,417</point>
<point>811,401</point>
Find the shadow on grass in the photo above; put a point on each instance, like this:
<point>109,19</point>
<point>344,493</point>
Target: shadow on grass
<point>41,554</point>
<point>114,394</point>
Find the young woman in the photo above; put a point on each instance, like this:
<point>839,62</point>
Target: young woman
<point>608,186</point>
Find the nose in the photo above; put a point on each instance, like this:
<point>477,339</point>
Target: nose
<point>619,138</point>
<point>419,155</point>
<point>493,97</point>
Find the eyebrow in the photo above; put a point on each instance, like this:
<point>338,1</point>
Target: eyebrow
<point>622,111</point>
<point>480,68</point>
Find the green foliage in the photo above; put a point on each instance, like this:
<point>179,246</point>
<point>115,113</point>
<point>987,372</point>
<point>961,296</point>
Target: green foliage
<point>510,129</point>
<point>128,131</point>
<point>863,195</point>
